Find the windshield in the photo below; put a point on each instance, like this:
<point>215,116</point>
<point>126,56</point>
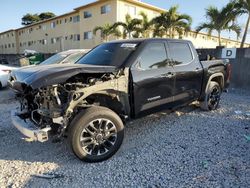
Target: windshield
<point>71,59</point>
<point>113,54</point>
<point>57,58</point>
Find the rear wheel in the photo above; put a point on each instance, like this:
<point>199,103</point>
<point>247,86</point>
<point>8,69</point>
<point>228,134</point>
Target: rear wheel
<point>212,98</point>
<point>96,134</point>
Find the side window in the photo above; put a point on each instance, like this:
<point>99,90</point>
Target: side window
<point>180,53</point>
<point>153,56</point>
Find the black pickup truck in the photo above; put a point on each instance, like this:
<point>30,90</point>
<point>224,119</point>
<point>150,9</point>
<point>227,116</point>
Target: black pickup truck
<point>90,101</point>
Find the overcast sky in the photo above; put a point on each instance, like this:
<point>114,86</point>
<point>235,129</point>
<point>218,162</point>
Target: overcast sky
<point>13,10</point>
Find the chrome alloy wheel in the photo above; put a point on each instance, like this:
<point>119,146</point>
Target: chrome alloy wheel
<point>98,137</point>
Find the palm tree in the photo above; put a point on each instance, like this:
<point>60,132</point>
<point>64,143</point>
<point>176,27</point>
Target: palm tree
<point>220,20</point>
<point>106,31</point>
<point>146,25</point>
<point>159,31</point>
<point>172,22</point>
<point>131,27</point>
<point>244,8</point>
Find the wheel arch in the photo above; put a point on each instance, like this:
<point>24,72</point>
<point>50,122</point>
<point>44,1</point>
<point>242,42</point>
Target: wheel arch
<point>217,77</point>
<point>111,99</point>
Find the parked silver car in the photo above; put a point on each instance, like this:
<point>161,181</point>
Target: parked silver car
<point>69,56</point>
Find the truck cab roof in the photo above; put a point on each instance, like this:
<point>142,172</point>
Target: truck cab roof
<point>148,40</point>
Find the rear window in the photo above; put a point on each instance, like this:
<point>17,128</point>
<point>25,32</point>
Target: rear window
<point>180,53</point>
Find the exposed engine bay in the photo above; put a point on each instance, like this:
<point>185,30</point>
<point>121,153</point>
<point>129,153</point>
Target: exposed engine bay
<point>53,107</point>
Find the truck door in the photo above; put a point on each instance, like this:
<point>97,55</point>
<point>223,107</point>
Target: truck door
<point>153,78</point>
<point>188,70</point>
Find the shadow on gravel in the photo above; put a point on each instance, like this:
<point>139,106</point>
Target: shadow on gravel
<point>6,96</point>
<point>22,150</point>
<point>60,155</point>
<point>186,147</point>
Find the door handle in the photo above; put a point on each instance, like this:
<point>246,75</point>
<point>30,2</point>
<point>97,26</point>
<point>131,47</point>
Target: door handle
<point>197,69</point>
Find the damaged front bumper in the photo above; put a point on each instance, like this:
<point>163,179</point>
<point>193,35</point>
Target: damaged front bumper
<point>27,128</point>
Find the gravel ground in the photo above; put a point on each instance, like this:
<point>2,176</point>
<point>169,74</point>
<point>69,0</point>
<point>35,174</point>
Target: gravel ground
<point>185,148</point>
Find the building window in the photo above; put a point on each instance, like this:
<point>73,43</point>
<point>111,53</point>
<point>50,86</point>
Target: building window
<point>53,25</point>
<point>105,9</point>
<point>76,19</point>
<point>65,21</point>
<point>87,14</point>
<point>131,10</point>
<point>53,40</point>
<point>77,37</point>
<point>30,30</point>
<point>87,35</point>
<point>70,19</point>
<point>13,45</point>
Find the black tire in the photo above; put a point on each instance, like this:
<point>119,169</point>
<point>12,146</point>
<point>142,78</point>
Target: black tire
<point>212,98</point>
<point>1,85</point>
<point>89,126</point>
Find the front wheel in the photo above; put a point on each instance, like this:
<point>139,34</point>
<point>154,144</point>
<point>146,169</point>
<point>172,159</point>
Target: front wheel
<point>96,134</point>
<point>212,98</point>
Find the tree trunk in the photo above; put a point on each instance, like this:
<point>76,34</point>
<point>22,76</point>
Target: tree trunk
<point>129,35</point>
<point>245,33</point>
<point>124,35</point>
<point>105,38</point>
<point>219,35</point>
<point>173,33</point>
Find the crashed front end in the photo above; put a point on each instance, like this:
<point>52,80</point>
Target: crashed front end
<point>42,110</point>
<point>48,110</point>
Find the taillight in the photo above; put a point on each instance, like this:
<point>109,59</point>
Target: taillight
<point>229,71</point>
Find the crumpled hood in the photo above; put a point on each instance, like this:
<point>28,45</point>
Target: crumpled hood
<point>44,75</point>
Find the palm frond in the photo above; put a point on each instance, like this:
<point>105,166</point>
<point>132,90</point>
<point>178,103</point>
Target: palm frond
<point>212,13</point>
<point>117,24</point>
<point>236,28</point>
<point>207,26</point>
<point>97,29</point>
